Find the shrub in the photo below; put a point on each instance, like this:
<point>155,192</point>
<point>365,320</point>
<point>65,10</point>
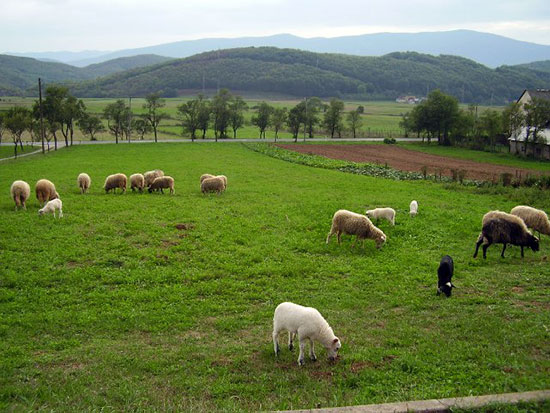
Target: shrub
<point>390,141</point>
<point>424,171</point>
<point>506,178</point>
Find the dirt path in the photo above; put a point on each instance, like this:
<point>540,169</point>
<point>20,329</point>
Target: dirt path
<point>408,160</point>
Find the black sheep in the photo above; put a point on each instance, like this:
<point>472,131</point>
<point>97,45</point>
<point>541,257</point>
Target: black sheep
<point>444,275</point>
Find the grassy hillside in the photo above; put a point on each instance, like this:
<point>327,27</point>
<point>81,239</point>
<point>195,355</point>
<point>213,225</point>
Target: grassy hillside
<point>302,73</point>
<point>114,307</point>
<point>19,75</point>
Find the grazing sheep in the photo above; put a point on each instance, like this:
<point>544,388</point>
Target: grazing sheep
<point>150,176</point>
<point>501,228</point>
<point>20,192</point>
<point>386,213</point>
<point>162,182</point>
<point>309,324</point>
<point>51,206</point>
<point>84,182</point>
<point>206,176</point>
<point>137,181</point>
<point>45,191</point>
<point>444,276</point>
<point>216,184</point>
<point>224,178</point>
<point>115,181</point>
<point>413,208</point>
<point>351,223</point>
<point>535,219</point>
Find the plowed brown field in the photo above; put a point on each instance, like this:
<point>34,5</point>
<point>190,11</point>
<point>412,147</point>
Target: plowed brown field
<point>408,160</point>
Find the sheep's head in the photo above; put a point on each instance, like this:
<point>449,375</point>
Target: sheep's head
<point>380,240</point>
<point>534,243</point>
<point>369,213</point>
<point>332,350</point>
<point>446,289</point>
<point>41,212</point>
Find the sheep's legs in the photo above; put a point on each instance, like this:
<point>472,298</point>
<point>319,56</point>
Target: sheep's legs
<point>60,213</point>
<point>291,337</point>
<point>301,356</point>
<point>485,246</point>
<point>504,249</point>
<point>478,243</point>
<point>275,343</point>
<point>522,251</point>
<point>312,355</point>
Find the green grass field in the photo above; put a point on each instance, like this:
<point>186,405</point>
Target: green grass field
<point>114,308</point>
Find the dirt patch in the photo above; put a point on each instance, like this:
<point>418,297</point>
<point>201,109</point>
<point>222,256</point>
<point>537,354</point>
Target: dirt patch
<point>184,226</point>
<point>357,366</point>
<point>408,160</point>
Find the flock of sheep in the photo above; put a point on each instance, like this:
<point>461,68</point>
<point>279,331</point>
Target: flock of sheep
<point>497,228</point>
<point>49,200</point>
<point>307,323</point>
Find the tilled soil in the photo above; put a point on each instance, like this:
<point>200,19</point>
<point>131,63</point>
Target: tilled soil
<point>408,160</point>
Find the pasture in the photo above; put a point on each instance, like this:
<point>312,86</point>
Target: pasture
<point>159,302</point>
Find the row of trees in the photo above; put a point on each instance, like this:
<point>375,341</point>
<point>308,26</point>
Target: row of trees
<point>226,111</point>
<point>439,117</point>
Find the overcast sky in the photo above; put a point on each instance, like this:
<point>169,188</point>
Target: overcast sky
<point>74,25</point>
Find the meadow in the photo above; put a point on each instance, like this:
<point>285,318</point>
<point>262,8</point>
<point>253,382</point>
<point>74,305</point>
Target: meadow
<point>159,302</point>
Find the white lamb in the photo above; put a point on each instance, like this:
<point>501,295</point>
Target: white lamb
<point>51,206</point>
<point>386,213</point>
<point>309,324</point>
<point>413,208</point>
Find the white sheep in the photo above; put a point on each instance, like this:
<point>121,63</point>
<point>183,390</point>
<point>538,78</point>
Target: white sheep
<point>215,184</point>
<point>45,191</point>
<point>348,222</point>
<point>386,213</point>
<point>20,192</point>
<point>206,176</point>
<point>309,324</point>
<point>150,176</point>
<point>535,219</point>
<point>413,208</point>
<point>137,181</point>
<point>112,182</point>
<point>84,182</point>
<point>162,182</point>
<point>51,206</point>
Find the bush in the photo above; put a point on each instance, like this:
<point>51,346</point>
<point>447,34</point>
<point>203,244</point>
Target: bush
<point>506,178</point>
<point>390,141</point>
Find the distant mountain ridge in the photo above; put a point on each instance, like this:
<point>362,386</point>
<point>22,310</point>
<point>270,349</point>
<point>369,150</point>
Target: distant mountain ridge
<point>299,73</point>
<point>18,74</point>
<point>485,48</point>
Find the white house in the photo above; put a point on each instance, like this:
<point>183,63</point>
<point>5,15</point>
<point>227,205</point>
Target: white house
<point>517,140</point>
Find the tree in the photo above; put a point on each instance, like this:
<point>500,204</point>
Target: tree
<point>2,124</point>
<point>117,118</point>
<point>312,107</point>
<point>72,110</point>
<point>236,115</point>
<point>153,103</point>
<point>278,119</point>
<point>491,125</point>
<point>262,118</point>
<point>190,116</point>
<point>513,118</point>
<point>354,121</point>
<point>537,115</point>
<point>220,113</point>
<point>442,112</point>
<point>204,114</point>
<point>18,120</point>
<point>333,116</point>
<point>90,125</point>
<point>296,116</point>
<point>141,126</point>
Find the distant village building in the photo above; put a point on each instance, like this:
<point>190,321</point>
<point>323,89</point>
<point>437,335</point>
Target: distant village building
<point>517,141</point>
<point>407,99</point>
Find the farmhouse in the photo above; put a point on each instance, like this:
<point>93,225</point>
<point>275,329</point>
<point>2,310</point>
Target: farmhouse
<point>541,149</point>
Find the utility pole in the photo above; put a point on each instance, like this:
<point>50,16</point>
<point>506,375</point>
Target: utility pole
<point>129,117</point>
<point>41,114</point>
<point>305,122</point>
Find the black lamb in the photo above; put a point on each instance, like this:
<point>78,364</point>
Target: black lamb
<point>444,276</point>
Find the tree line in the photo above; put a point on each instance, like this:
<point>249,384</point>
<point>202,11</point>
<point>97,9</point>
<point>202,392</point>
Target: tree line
<point>439,117</point>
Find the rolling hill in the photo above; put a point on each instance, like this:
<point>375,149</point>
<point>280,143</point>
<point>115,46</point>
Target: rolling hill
<point>300,74</point>
<point>18,74</point>
<point>485,48</point>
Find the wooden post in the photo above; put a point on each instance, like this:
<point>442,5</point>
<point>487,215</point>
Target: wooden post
<point>41,114</point>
